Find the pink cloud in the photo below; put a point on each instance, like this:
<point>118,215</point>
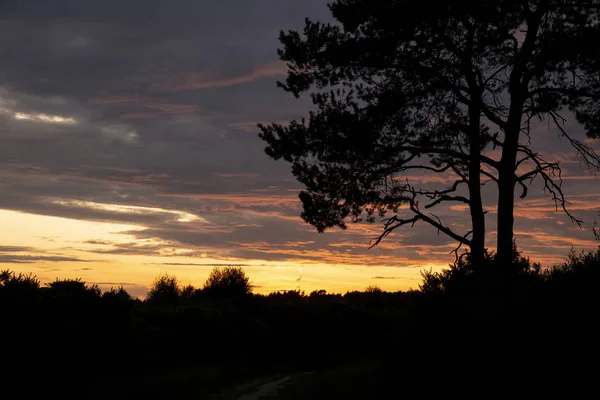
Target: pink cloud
<point>196,81</point>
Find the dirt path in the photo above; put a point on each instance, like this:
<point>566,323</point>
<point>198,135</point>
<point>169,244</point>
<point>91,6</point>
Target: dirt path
<point>266,389</point>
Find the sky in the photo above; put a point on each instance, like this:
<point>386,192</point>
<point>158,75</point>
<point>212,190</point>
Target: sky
<point>129,149</point>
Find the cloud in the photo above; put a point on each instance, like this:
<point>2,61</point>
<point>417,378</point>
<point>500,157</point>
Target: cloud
<point>386,277</point>
<point>33,255</point>
<point>11,249</point>
<point>197,81</point>
<point>176,264</point>
<point>27,259</point>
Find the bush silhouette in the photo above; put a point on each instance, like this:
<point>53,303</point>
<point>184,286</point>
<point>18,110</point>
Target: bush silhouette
<point>69,290</point>
<point>230,282</point>
<point>117,295</point>
<point>473,307</point>
<point>373,289</point>
<point>11,283</point>
<point>463,278</point>
<point>165,290</point>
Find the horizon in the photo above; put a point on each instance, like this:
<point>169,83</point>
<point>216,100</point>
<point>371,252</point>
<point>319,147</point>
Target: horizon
<point>131,150</point>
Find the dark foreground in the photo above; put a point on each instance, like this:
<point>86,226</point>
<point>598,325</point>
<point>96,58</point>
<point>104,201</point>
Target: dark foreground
<point>488,332</point>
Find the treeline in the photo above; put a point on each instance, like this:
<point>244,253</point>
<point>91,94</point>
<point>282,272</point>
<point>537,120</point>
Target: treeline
<point>77,333</point>
<point>68,329</point>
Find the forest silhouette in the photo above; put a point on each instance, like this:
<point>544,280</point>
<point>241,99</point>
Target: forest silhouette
<point>494,324</point>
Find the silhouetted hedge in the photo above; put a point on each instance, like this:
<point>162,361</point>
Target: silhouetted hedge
<point>74,330</point>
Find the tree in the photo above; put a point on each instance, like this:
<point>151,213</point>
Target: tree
<point>373,289</point>
<point>401,86</point>
<point>229,282</point>
<point>165,290</point>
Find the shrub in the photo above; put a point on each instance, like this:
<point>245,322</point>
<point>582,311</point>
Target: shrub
<point>464,278</point>
<point>73,290</point>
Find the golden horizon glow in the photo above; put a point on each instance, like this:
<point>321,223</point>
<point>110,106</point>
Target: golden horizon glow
<point>90,241</point>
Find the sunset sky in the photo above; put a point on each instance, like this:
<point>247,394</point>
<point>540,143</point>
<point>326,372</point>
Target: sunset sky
<point>129,148</point>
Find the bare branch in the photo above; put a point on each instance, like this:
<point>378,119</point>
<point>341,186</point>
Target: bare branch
<point>460,244</point>
<point>548,172</point>
<point>489,175</point>
<point>441,199</point>
<point>461,156</point>
<point>587,154</point>
<point>392,223</point>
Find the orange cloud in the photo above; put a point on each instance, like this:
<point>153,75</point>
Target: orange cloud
<point>250,126</point>
<point>245,199</point>
<point>158,107</point>
<point>237,175</point>
<point>196,81</point>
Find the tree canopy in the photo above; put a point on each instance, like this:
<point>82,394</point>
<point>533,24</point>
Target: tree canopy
<point>434,86</point>
<point>229,282</point>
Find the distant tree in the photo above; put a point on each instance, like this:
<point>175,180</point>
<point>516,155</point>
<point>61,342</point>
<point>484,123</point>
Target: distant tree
<point>597,231</point>
<point>229,282</point>
<point>373,289</point>
<point>165,290</point>
<point>188,291</point>
<point>400,86</point>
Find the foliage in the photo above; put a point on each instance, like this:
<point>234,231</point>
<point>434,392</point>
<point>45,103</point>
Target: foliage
<point>117,295</point>
<point>21,283</point>
<point>464,278</point>
<point>227,282</point>
<point>374,289</point>
<point>70,289</point>
<point>165,290</point>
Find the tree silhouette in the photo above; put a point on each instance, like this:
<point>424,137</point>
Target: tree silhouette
<point>73,290</point>
<point>373,289</point>
<point>230,282</point>
<point>401,86</point>
<point>165,290</point>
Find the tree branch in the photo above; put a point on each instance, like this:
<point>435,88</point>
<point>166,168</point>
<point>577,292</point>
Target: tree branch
<point>550,186</point>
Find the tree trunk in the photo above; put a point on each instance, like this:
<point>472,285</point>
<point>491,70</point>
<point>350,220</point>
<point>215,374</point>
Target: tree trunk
<point>478,221</point>
<point>506,192</point>
<point>475,202</point>
<point>517,88</point>
<point>506,203</point>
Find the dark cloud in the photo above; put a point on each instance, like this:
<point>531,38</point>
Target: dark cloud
<point>33,255</point>
<point>203,264</point>
<point>27,259</point>
<point>14,249</point>
<point>386,277</point>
